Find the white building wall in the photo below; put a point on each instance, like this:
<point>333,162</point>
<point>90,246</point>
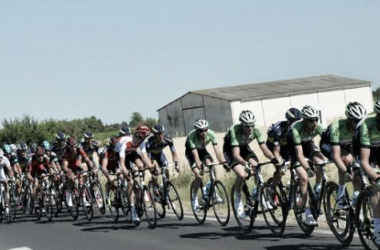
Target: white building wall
<point>255,106</point>
<point>332,105</point>
<point>274,109</point>
<point>362,95</point>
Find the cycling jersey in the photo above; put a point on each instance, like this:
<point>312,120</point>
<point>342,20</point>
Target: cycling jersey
<point>37,166</point>
<point>74,160</point>
<point>3,164</point>
<point>110,153</point>
<point>23,160</point>
<point>125,146</point>
<point>152,146</point>
<point>368,136</point>
<point>58,151</point>
<point>90,149</point>
<point>193,142</point>
<point>277,137</point>
<point>13,159</point>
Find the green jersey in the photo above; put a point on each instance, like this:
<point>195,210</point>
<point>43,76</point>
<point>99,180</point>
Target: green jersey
<point>193,142</point>
<point>236,137</point>
<point>369,133</point>
<point>300,134</point>
<point>339,133</point>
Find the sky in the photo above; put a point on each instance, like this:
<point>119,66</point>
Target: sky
<point>74,59</point>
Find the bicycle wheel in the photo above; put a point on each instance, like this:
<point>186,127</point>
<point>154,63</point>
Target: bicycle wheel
<point>13,204</point>
<point>1,212</point>
<point>149,208</point>
<point>299,210</point>
<point>174,201</point>
<point>198,204</point>
<point>246,223</point>
<point>339,220</point>
<point>157,192</point>
<point>48,205</point>
<point>113,205</point>
<point>98,197</point>
<point>273,209</point>
<point>220,203</point>
<point>87,203</point>
<point>74,209</point>
<point>364,217</point>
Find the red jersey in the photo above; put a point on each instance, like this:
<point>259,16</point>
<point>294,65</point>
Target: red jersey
<point>37,166</point>
<point>74,160</point>
<point>112,157</point>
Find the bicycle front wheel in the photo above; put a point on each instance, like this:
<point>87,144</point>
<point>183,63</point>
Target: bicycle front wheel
<point>113,205</point>
<point>273,209</point>
<point>198,204</point>
<point>364,217</point>
<point>243,210</point>
<point>149,208</point>
<point>87,203</point>
<point>98,198</point>
<point>47,204</point>
<point>339,220</point>
<point>220,203</point>
<point>174,201</point>
<point>157,197</point>
<point>299,210</point>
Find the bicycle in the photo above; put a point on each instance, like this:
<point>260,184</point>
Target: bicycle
<point>45,198</point>
<point>216,197</point>
<point>265,196</point>
<point>342,221</point>
<point>117,198</point>
<point>83,195</point>
<point>97,193</point>
<point>13,201</point>
<point>364,219</point>
<point>143,199</point>
<point>166,195</point>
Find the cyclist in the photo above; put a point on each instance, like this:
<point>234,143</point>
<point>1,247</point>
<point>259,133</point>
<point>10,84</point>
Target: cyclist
<point>71,164</point>
<point>131,149</point>
<point>301,144</point>
<point>336,145</point>
<point>109,164</point>
<point>23,156</point>
<point>4,163</point>
<point>197,154</point>
<point>369,135</point>
<point>10,151</point>
<point>240,156</point>
<point>39,164</point>
<point>59,147</point>
<point>277,139</point>
<point>90,146</point>
<point>155,145</point>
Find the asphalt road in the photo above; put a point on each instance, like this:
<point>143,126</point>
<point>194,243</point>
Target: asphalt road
<point>63,234</point>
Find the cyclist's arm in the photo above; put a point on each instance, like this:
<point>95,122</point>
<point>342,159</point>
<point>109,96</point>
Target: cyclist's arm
<point>364,160</point>
<point>267,153</point>
<point>219,154</point>
<point>89,163</point>
<point>236,155</point>
<point>65,166</point>
<point>10,171</point>
<point>276,151</point>
<point>197,161</point>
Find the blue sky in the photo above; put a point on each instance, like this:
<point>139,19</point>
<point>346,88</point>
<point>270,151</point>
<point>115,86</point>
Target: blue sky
<point>74,59</point>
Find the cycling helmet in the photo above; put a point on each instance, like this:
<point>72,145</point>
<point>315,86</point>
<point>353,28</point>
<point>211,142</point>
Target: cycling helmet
<point>23,146</point>
<point>124,131</point>
<point>88,135</point>
<point>112,142</point>
<point>46,145</point>
<point>200,124</point>
<point>246,117</point>
<point>40,151</point>
<point>158,129</point>
<point>309,112</point>
<point>355,111</point>
<point>142,131</point>
<point>13,148</point>
<point>7,149</point>
<point>33,147</point>
<point>60,136</point>
<point>1,153</point>
<point>293,114</point>
<point>71,141</point>
<point>376,106</point>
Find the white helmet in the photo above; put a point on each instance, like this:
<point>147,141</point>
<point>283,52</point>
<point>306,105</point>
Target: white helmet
<point>376,106</point>
<point>13,148</point>
<point>309,112</point>
<point>246,117</point>
<point>200,124</point>
<point>355,111</point>
<point>1,153</point>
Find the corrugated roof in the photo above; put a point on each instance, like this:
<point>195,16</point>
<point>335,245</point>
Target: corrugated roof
<point>280,88</point>
<point>285,87</point>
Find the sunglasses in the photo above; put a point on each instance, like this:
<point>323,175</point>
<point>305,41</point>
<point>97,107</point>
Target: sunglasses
<point>249,126</point>
<point>312,120</point>
<point>202,130</point>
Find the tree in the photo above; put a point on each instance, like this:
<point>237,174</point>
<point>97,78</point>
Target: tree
<point>150,121</point>
<point>376,94</point>
<point>136,118</point>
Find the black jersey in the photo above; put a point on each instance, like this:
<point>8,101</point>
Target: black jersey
<point>152,146</point>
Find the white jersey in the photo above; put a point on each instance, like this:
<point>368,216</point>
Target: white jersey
<point>4,163</point>
<point>125,146</point>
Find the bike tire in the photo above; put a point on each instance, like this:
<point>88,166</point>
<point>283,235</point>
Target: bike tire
<point>336,217</point>
<point>157,197</point>
<point>364,218</point>
<point>201,213</point>
<point>48,205</point>
<point>220,203</point>
<point>174,200</point>
<point>299,210</point>
<point>246,225</point>
<point>113,207</point>
<point>273,209</point>
<point>149,208</point>
<point>87,203</point>
<point>98,197</point>
<point>74,209</point>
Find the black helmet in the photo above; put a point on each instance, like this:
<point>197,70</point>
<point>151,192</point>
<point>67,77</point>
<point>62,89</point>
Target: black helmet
<point>293,114</point>
<point>88,135</point>
<point>158,128</point>
<point>60,136</point>
<point>124,131</point>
